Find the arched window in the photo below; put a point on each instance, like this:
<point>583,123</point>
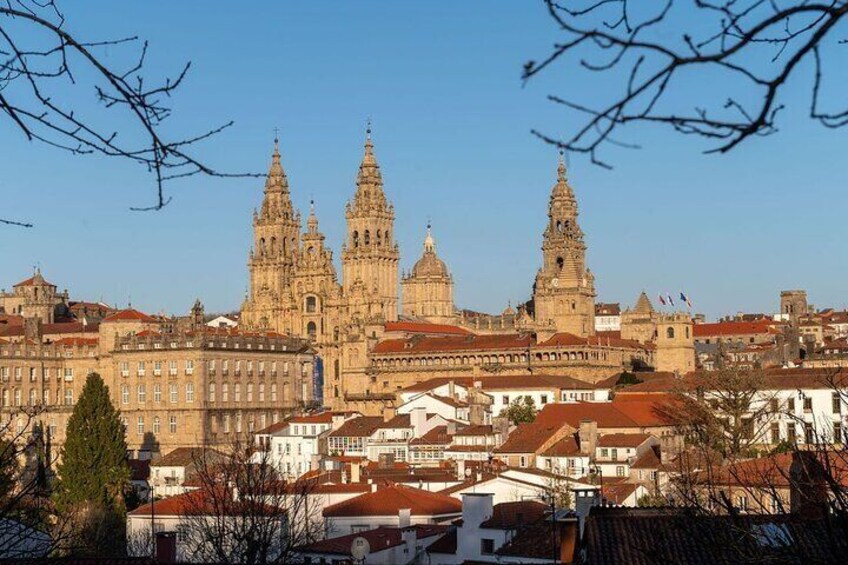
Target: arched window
<point>273,245</point>
<point>311,304</point>
<point>262,246</point>
<point>356,239</point>
<point>379,238</point>
<point>560,262</point>
<point>559,226</point>
<point>336,334</point>
<point>669,333</point>
<point>311,330</point>
<point>367,237</point>
<point>687,334</point>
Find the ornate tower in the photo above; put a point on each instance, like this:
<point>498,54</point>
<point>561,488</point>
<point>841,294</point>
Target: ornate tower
<point>564,291</point>
<point>640,322</point>
<point>276,235</point>
<point>428,289</point>
<point>316,291</point>
<point>370,255</point>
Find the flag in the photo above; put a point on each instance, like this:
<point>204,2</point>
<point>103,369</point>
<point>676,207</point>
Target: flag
<point>685,299</point>
<point>662,300</point>
<point>670,299</point>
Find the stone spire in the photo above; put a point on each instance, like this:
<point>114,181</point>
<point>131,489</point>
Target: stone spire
<point>562,190</point>
<point>312,222</point>
<point>643,304</point>
<point>276,181</point>
<point>429,242</point>
<point>369,182</point>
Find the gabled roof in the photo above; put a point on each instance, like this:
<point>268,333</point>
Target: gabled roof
<point>510,515</point>
<point>623,440</point>
<point>528,438</point>
<point>128,315</point>
<point>358,427</point>
<point>565,447</point>
<point>322,418</point>
<point>604,413</point>
<point>201,503</point>
<point>476,430</point>
<point>390,500</point>
<point>77,341</point>
<point>470,342</point>
<point>734,328</point>
<point>184,456</point>
<point>436,436</point>
<point>378,539</point>
<point>34,280</point>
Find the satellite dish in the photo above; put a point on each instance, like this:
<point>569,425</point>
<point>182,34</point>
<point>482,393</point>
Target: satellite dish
<point>360,548</point>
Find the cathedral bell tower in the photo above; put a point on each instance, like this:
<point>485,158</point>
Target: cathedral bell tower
<point>276,237</point>
<point>564,291</point>
<point>370,255</point>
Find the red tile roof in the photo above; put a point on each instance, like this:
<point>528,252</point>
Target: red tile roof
<point>510,515</point>
<point>773,379</point>
<point>528,438</point>
<point>77,341</point>
<point>200,503</point>
<point>476,430</point>
<point>425,328</point>
<point>471,342</point>
<point>436,436</point>
<point>32,280</point>
<point>390,500</point>
<point>322,418</point>
<point>565,447</point>
<point>53,329</point>
<point>378,539</point>
<point>129,315</point>
<point>734,328</point>
<point>358,427</point>
<point>604,413</point>
<point>623,440</point>
<point>508,382</point>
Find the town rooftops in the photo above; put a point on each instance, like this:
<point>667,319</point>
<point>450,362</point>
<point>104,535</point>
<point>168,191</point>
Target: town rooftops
<point>475,430</point>
<point>358,427</point>
<point>378,539</point>
<point>35,280</point>
<point>510,515</point>
<point>52,329</point>
<point>203,502</point>
<point>607,309</point>
<point>321,418</point>
<point>471,342</point>
<point>607,415</point>
<point>509,382</point>
<point>388,501</point>
<point>772,379</point>
<point>565,447</point>
<point>437,436</point>
<point>183,456</point>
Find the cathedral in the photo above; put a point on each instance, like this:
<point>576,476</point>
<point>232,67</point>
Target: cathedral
<point>371,344</point>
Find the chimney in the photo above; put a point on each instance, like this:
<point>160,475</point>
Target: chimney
<point>451,428</point>
<point>460,469</point>
<point>388,413</point>
<point>418,419</point>
<point>451,389</point>
<point>354,472</point>
<point>404,517</point>
<point>808,486</point>
<point>410,539</point>
<point>588,436</point>
<point>476,508</point>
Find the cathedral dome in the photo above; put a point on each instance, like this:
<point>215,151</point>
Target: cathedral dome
<point>430,265</point>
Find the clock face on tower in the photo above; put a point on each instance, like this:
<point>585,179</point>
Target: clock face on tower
<point>555,282</point>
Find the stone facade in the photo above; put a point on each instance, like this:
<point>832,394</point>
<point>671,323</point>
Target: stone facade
<point>294,290</point>
<point>184,387</point>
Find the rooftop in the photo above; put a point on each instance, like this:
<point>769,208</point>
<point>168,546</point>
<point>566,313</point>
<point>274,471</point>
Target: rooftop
<point>388,501</point>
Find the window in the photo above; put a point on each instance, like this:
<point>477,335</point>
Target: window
<point>311,330</point>
<point>774,405</point>
<point>775,433</point>
<point>619,471</point>
<point>157,425</point>
<point>310,304</point>
<point>172,368</point>
<point>157,368</point>
<point>522,461</point>
<point>46,397</point>
<point>742,503</point>
<point>189,367</point>
<point>157,393</point>
<point>837,432</point>
<point>791,436</point>
<point>225,393</point>
<point>172,389</point>
<point>250,392</point>
<point>808,432</point>
<point>615,454</point>
<point>237,392</point>
<point>790,404</point>
<point>141,368</point>
<point>544,399</point>
<point>189,392</point>
<point>273,392</point>
<point>487,546</point>
<point>505,400</point>
<point>808,404</point>
<point>172,424</point>
<point>125,394</point>
<point>836,403</point>
<point>125,369</point>
<point>211,392</point>
<point>142,394</point>
<point>69,374</point>
<point>262,393</point>
<point>140,426</point>
<point>669,333</point>
<point>69,396</point>
<point>226,423</point>
<point>32,397</point>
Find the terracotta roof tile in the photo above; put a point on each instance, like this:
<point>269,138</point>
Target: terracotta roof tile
<point>509,515</point>
<point>734,328</point>
<point>623,440</point>
<point>425,328</point>
<point>528,438</point>
<point>565,447</point>
<point>378,539</point>
<point>454,343</point>
<point>129,315</point>
<point>358,427</point>
<point>390,500</point>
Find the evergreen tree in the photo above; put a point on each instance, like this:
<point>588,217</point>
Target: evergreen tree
<point>94,473</point>
<point>522,410</point>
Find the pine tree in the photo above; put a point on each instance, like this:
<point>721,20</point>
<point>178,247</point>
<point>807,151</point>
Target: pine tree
<point>93,473</point>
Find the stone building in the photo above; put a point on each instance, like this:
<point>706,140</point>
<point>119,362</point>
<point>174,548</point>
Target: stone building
<point>294,290</point>
<point>176,384</point>
<point>35,298</point>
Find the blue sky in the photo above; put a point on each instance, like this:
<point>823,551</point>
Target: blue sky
<point>452,133</point>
